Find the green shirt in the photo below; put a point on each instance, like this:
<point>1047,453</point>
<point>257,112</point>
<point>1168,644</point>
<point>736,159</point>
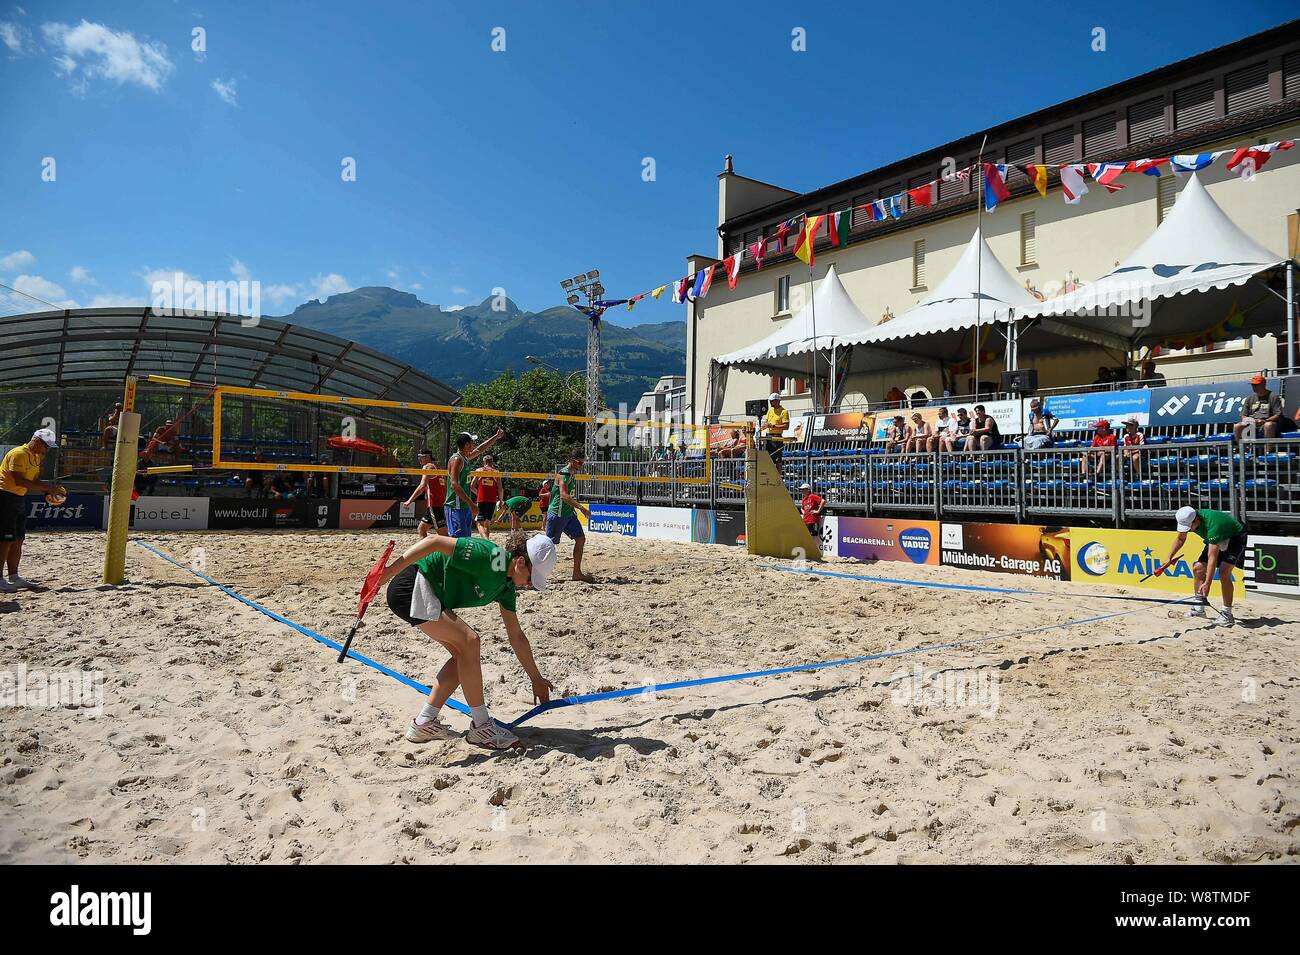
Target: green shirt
<point>557,503</point>
<point>454,500</point>
<point>473,576</point>
<point>519,504</point>
<point>1217,527</point>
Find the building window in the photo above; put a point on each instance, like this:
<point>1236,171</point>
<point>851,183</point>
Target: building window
<point>1166,193</point>
<point>783,295</point>
<point>1194,105</point>
<point>1247,88</point>
<point>1146,120</point>
<point>1028,238</point>
<point>918,263</point>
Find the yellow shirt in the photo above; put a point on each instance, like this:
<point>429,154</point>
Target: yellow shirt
<point>19,462</point>
<point>776,422</point>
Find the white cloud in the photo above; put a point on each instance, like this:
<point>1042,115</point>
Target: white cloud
<point>81,275</point>
<point>416,287</point>
<point>239,270</point>
<point>459,291</point>
<point>453,308</point>
<point>327,285</point>
<point>227,90</point>
<point>15,37</point>
<point>93,51</point>
<point>280,295</point>
<point>22,259</point>
<point>44,289</point>
<point>392,275</point>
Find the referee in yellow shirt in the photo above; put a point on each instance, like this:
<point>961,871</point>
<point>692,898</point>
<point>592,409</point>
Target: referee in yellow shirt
<point>19,471</point>
<point>775,424</point>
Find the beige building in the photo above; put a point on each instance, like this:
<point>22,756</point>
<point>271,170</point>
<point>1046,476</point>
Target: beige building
<point>1243,94</point>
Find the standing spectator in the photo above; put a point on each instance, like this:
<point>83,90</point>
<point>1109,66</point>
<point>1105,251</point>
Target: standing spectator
<point>918,435</point>
<point>109,436</point>
<point>1095,460</point>
<point>896,436</point>
<point>1042,426</point>
<point>943,426</point>
<point>958,433</point>
<point>1225,549</point>
<point>812,508</point>
<point>775,424</point>
<point>19,471</point>
<point>984,432</point>
<point>1262,415</point>
<point>896,395</point>
<point>1133,439</point>
<point>1150,377</point>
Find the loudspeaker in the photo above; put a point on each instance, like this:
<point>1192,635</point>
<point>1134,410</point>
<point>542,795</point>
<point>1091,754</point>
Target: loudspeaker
<point>756,408</point>
<point>1021,381</point>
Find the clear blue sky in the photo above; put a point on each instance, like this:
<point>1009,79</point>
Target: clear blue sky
<point>478,169</point>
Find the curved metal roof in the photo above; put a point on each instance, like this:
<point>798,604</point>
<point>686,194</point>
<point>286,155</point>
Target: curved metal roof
<point>86,346</point>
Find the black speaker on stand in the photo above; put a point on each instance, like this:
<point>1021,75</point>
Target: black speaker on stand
<point>1022,381</point>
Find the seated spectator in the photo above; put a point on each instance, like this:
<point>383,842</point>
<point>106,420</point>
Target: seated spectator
<point>1133,438</point>
<point>896,437</point>
<point>281,486</point>
<point>1042,426</point>
<point>984,433</point>
<point>255,481</point>
<point>942,428</point>
<point>918,435</point>
<point>109,435</point>
<point>1150,377</point>
<point>1262,415</point>
<point>1094,461</point>
<point>958,433</point>
<point>1104,376</point>
<point>812,507</point>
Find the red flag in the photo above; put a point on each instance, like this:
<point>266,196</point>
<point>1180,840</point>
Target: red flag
<point>732,265</point>
<point>370,587</point>
<point>1251,159</point>
<point>759,251</point>
<point>921,195</point>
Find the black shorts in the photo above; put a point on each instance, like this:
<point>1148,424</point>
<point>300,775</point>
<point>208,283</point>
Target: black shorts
<point>434,517</point>
<point>400,590</point>
<point>486,509</point>
<point>1232,551</point>
<point>13,517</point>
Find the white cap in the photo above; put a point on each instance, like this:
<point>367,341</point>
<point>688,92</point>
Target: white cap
<point>776,396</point>
<point>805,486</point>
<point>541,551</point>
<point>47,435</point>
<point>1185,517</point>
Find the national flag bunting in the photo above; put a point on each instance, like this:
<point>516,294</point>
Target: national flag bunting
<point>679,289</point>
<point>1249,160</point>
<point>1036,174</point>
<point>702,282</point>
<point>803,249</point>
<point>1072,184</point>
<point>1190,162</point>
<point>837,224</point>
<point>1106,173</point>
<point>732,265</point>
<point>895,205</point>
<point>659,291</point>
<point>921,196</point>
<point>995,185</point>
<point>1148,167</point>
<point>631,303</point>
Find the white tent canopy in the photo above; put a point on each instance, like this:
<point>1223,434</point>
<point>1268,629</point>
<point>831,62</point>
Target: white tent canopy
<point>1196,249</point>
<point>788,350</point>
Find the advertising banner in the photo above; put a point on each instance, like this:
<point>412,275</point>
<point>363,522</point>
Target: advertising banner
<point>362,513</point>
<point>227,514</point>
<point>729,528</point>
<point>1008,549</point>
<point>830,536</point>
<point>1273,565</point>
<point>664,523</point>
<point>169,513</point>
<point>1081,412</point>
<point>1105,556</point>
<point>1202,404</point>
<point>873,538</point>
<point>79,510</point>
<point>845,426</point>
<point>613,519</point>
<point>1005,413</point>
<point>533,520</point>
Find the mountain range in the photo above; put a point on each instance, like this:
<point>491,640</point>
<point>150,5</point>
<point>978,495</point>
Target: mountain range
<point>479,342</point>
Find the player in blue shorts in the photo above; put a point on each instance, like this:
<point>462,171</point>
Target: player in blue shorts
<point>562,515</point>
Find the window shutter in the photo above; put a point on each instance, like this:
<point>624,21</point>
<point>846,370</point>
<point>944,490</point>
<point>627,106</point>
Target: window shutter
<point>1028,238</point>
<point>1146,120</point>
<point>1291,75</point>
<point>1058,146</point>
<point>948,188</point>
<point>1194,105</point>
<point>918,263</point>
<point>1020,153</point>
<point>1099,137</point>
<point>860,219</point>
<point>1166,193</point>
<point>1247,88</point>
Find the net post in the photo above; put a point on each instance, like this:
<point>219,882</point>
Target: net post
<point>125,450</point>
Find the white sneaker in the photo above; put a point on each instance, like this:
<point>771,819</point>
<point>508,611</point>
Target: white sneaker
<point>492,736</point>
<point>427,732</point>
<point>6,587</point>
<point>18,583</point>
<point>1226,619</point>
<point>1198,611</point>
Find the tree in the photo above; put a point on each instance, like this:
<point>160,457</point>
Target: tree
<point>529,444</point>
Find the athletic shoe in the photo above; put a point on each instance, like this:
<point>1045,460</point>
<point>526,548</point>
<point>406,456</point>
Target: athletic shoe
<point>19,583</point>
<point>6,587</point>
<point>428,732</point>
<point>1198,611</point>
<point>492,736</point>
<point>1226,619</point>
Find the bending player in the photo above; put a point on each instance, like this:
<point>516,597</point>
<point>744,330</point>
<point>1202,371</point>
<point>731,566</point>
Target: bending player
<point>460,508</point>
<point>434,488</point>
<point>440,575</point>
<point>1224,550</point>
<point>561,515</point>
<point>516,507</point>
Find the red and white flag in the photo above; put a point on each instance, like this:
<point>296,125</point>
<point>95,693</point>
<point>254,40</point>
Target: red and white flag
<point>1107,172</point>
<point>732,265</point>
<point>759,251</point>
<point>1249,160</point>
<point>1072,184</point>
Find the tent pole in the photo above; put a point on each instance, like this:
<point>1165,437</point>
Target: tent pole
<point>979,256</point>
<point>1290,317</point>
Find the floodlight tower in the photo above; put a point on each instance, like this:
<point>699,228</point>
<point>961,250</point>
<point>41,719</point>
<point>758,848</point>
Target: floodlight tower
<point>588,285</point>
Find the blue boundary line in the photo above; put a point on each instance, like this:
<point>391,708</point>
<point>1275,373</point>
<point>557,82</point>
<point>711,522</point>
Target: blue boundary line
<point>681,684</point>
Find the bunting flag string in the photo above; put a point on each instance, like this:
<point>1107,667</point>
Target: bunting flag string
<point>1245,161</point>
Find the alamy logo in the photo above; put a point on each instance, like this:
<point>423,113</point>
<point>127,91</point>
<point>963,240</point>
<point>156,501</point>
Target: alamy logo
<point>103,908</point>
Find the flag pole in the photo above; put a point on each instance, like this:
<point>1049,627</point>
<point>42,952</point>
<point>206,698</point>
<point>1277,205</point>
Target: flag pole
<point>979,258</point>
